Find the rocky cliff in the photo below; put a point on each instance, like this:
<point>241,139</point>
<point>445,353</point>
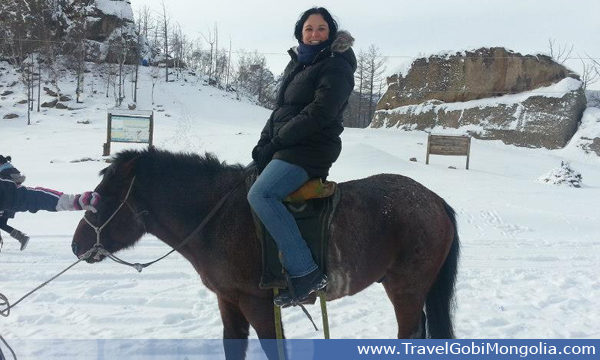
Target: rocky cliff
<point>489,93</point>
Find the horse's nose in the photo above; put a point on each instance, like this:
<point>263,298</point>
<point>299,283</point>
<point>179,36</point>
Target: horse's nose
<point>74,248</point>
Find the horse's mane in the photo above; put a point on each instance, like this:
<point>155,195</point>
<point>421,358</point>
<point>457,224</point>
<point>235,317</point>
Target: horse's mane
<point>156,162</point>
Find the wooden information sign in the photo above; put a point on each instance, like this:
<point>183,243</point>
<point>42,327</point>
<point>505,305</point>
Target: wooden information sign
<point>449,145</point>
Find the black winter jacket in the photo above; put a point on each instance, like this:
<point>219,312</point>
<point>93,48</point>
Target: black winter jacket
<point>307,121</point>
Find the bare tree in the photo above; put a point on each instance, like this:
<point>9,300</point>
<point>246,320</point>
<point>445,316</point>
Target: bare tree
<point>255,78</point>
<point>122,52</point>
<point>39,89</point>
<point>228,67</point>
<point>180,50</point>
<point>560,53</point>
<point>21,31</point>
<point>26,69</point>
<point>360,79</point>
<point>79,37</point>
<point>217,77</point>
<point>50,51</point>
<point>210,39</point>
<point>154,76</point>
<point>144,21</point>
<point>589,72</point>
<point>108,72</point>
<point>138,55</point>
<point>166,20</point>
<point>375,69</point>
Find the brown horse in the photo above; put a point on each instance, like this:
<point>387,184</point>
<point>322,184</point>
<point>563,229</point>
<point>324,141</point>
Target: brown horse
<point>387,228</point>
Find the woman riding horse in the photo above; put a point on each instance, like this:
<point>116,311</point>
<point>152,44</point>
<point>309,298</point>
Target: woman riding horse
<point>301,140</point>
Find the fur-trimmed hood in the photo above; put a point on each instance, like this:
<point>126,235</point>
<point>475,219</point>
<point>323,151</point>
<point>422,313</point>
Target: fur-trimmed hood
<point>341,46</point>
<point>343,41</point>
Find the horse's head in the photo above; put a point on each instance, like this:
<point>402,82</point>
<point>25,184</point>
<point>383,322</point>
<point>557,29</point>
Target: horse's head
<point>118,219</point>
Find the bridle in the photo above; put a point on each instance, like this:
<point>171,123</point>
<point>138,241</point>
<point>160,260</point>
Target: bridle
<point>99,250</point>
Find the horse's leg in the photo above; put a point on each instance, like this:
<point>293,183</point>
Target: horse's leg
<point>408,299</point>
<point>260,314</point>
<point>235,330</point>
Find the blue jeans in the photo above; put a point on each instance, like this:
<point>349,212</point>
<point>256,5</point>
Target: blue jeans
<point>278,180</point>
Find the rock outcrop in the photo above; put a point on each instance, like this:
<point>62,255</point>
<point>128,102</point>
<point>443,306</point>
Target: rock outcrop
<point>108,23</point>
<point>470,75</point>
<point>492,93</point>
<point>98,24</point>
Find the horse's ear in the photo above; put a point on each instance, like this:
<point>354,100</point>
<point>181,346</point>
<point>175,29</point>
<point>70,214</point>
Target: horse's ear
<point>130,166</point>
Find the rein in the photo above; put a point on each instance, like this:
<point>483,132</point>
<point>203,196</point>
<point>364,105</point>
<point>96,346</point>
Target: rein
<point>99,249</point>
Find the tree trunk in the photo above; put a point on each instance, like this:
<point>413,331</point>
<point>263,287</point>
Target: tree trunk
<point>120,82</point>
<point>137,64</point>
<point>29,95</point>
<point>39,84</point>
<point>153,84</point>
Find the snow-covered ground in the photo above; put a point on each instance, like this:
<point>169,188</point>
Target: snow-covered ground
<point>530,250</point>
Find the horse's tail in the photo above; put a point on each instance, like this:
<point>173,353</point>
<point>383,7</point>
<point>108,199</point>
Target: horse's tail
<point>440,300</point>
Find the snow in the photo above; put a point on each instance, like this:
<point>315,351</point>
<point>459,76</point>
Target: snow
<point>119,8</point>
<point>530,251</point>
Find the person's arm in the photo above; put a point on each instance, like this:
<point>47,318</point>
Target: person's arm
<point>20,199</point>
<point>264,139</point>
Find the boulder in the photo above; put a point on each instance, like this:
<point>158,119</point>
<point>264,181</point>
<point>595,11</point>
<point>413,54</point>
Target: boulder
<point>21,102</point>
<point>64,98</point>
<point>534,119</point>
<point>541,104</point>
<point>10,116</point>
<point>61,106</point>
<point>471,75</point>
<point>49,104</point>
<point>50,92</point>
<point>6,93</point>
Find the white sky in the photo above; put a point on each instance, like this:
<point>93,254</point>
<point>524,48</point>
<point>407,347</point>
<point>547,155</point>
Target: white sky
<point>401,28</point>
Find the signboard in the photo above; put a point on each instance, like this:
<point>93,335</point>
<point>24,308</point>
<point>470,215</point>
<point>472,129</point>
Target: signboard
<point>129,129</point>
<point>129,126</point>
<point>448,145</point>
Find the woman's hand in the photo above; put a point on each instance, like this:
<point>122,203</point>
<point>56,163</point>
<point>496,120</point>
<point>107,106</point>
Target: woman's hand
<point>265,155</point>
<point>256,153</point>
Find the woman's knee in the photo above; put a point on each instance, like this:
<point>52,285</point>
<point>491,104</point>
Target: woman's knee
<point>257,195</point>
<point>253,197</point>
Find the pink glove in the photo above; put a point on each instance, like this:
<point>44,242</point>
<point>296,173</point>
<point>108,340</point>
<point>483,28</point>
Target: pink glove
<point>84,201</point>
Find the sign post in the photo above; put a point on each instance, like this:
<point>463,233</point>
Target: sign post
<point>448,145</point>
<point>129,126</point>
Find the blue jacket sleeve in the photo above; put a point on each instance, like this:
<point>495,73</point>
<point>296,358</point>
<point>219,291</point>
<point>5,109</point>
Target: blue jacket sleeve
<point>19,199</point>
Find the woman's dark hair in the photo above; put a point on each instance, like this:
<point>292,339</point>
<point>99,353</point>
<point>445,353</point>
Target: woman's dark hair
<point>4,160</point>
<point>333,26</point>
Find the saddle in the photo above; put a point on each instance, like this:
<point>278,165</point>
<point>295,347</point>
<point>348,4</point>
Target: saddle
<point>313,206</point>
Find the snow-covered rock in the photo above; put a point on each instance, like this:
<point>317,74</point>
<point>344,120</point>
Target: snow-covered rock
<point>541,107</point>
